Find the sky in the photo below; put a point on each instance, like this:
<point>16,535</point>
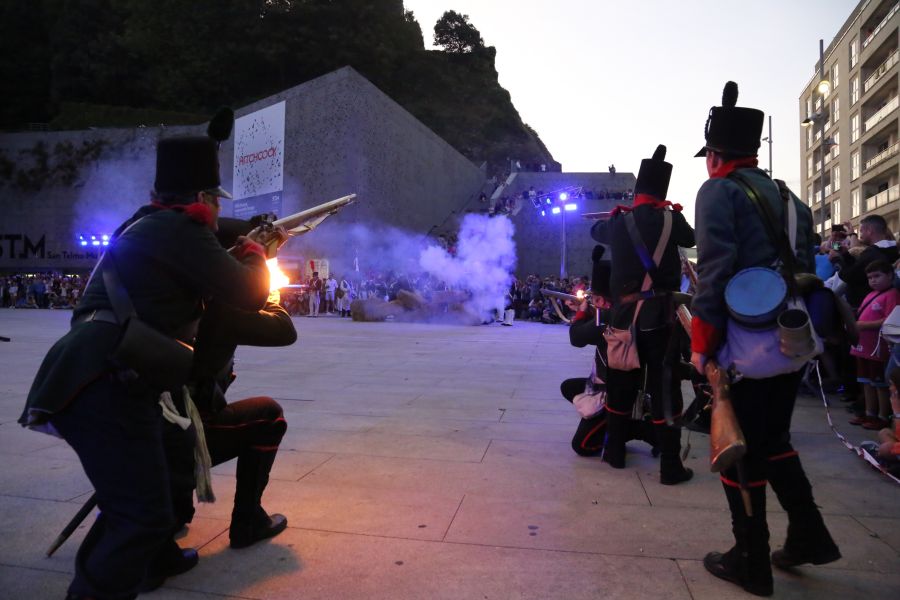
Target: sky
<point>604,82</point>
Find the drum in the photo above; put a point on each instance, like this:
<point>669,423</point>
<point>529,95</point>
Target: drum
<point>756,296</point>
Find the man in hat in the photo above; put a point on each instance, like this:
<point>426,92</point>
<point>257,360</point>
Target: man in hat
<point>732,236</point>
<point>586,329</point>
<point>168,262</point>
<point>641,289</point>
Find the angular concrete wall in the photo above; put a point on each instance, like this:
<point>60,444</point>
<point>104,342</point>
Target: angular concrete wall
<point>342,135</point>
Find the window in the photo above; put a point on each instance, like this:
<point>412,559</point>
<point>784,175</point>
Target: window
<point>836,179</point>
<point>836,149</point>
<point>835,110</point>
<point>809,166</point>
<point>836,211</point>
<point>809,194</point>
<point>854,90</point>
<point>854,128</point>
<point>809,137</point>
<point>854,201</point>
<point>854,52</point>
<point>854,165</point>
<point>835,75</point>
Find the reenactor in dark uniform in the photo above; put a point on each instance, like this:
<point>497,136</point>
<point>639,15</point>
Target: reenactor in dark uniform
<point>169,262</point>
<point>732,236</point>
<point>656,341</point>
<point>249,430</point>
<point>586,329</point>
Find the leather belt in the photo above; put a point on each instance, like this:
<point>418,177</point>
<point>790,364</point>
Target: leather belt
<point>632,298</point>
<point>103,314</point>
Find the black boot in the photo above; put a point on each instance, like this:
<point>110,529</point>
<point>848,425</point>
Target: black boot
<point>671,471</point>
<point>249,521</point>
<point>171,560</point>
<point>747,563</point>
<point>616,431</point>
<point>808,539</point>
<point>588,438</point>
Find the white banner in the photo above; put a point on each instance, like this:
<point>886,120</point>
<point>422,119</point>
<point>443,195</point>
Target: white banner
<point>259,153</point>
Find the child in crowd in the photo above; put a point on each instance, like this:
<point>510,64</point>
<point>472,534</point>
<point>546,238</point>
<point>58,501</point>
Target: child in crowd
<point>871,353</point>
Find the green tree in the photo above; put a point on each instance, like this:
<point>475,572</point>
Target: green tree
<point>456,35</point>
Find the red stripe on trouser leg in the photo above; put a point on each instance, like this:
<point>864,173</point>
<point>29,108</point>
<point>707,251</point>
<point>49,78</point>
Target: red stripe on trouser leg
<point>592,432</point>
<point>617,412</point>
<point>784,455</point>
<point>735,484</point>
<point>264,448</point>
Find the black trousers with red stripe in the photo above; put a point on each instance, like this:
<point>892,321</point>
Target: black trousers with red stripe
<point>764,408</point>
<point>249,430</point>
<point>591,433</point>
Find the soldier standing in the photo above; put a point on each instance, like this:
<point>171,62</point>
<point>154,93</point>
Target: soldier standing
<point>732,236</point>
<point>641,288</point>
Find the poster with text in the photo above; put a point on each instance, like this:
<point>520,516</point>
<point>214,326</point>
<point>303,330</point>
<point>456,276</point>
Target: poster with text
<point>259,162</point>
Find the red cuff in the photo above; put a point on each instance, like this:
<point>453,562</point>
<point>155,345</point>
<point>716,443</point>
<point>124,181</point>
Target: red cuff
<point>581,315</point>
<point>249,247</point>
<point>705,338</point>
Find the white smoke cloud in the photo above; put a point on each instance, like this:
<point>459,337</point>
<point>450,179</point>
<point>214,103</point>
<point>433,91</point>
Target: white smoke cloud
<point>484,262</point>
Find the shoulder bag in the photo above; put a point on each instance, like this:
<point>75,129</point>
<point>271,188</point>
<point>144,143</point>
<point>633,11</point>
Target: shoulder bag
<point>621,350</point>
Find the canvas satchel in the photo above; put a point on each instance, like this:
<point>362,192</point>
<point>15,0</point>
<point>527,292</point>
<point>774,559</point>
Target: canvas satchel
<point>621,344</point>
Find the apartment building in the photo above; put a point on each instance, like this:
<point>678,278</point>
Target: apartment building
<point>853,121</point>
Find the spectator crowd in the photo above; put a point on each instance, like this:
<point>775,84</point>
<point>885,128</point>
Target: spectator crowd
<point>40,290</point>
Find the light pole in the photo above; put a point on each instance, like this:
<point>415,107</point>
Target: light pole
<point>820,117</point>
<point>769,140</point>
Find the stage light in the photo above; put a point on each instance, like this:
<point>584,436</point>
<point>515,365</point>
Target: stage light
<point>549,201</point>
<point>543,213</point>
<point>555,210</point>
<point>105,238</point>
<point>95,243</point>
<point>571,207</point>
<point>563,196</point>
<point>84,242</point>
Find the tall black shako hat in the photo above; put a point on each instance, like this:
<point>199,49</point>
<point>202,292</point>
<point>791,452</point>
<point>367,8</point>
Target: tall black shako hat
<point>732,129</point>
<point>653,178</point>
<point>189,164</point>
<point>601,272</point>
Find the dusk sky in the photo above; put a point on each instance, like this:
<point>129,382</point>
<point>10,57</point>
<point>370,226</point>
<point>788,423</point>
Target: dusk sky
<point>604,82</point>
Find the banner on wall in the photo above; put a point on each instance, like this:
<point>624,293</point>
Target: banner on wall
<point>258,181</point>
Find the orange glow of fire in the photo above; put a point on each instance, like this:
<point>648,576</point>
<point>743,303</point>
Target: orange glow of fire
<point>580,294</point>
<point>277,278</point>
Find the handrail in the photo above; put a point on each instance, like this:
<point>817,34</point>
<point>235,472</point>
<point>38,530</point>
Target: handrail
<point>883,112</point>
<point>881,198</point>
<point>881,69</point>
<point>881,25</point>
<point>883,155</point>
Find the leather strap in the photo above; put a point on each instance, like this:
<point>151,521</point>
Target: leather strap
<point>776,235</point>
<point>651,264</point>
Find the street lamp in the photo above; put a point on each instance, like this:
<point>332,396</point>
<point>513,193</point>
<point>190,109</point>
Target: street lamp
<point>824,88</point>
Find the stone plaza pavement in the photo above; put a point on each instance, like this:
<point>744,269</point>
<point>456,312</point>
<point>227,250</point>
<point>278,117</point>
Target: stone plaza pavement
<point>432,461</point>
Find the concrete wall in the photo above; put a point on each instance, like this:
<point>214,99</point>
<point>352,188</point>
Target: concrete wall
<point>342,135</point>
<point>539,238</point>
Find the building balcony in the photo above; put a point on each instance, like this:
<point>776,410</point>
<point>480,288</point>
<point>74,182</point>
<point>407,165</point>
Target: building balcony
<point>881,25</point>
<point>880,199</point>
<point>879,72</point>
<point>882,156</point>
<point>881,114</point>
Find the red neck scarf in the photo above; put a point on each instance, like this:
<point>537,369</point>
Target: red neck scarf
<point>733,165</point>
<point>648,200</point>
<point>197,211</point>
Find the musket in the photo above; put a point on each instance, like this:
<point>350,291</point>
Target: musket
<point>727,445</point>
<point>555,297</point>
<point>596,216</point>
<point>303,221</point>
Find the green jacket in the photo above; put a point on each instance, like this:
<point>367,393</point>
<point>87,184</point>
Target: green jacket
<point>170,264</point>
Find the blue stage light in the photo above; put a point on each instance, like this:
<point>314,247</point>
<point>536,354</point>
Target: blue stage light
<point>555,210</point>
<point>84,242</point>
<point>543,213</point>
<point>104,237</point>
<point>571,207</point>
<point>563,197</point>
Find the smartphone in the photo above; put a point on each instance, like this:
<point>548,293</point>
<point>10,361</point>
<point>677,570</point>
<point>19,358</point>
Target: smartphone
<point>835,245</point>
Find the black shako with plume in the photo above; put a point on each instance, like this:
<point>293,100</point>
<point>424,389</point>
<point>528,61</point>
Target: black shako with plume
<point>654,175</point>
<point>731,129</point>
<point>190,164</point>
